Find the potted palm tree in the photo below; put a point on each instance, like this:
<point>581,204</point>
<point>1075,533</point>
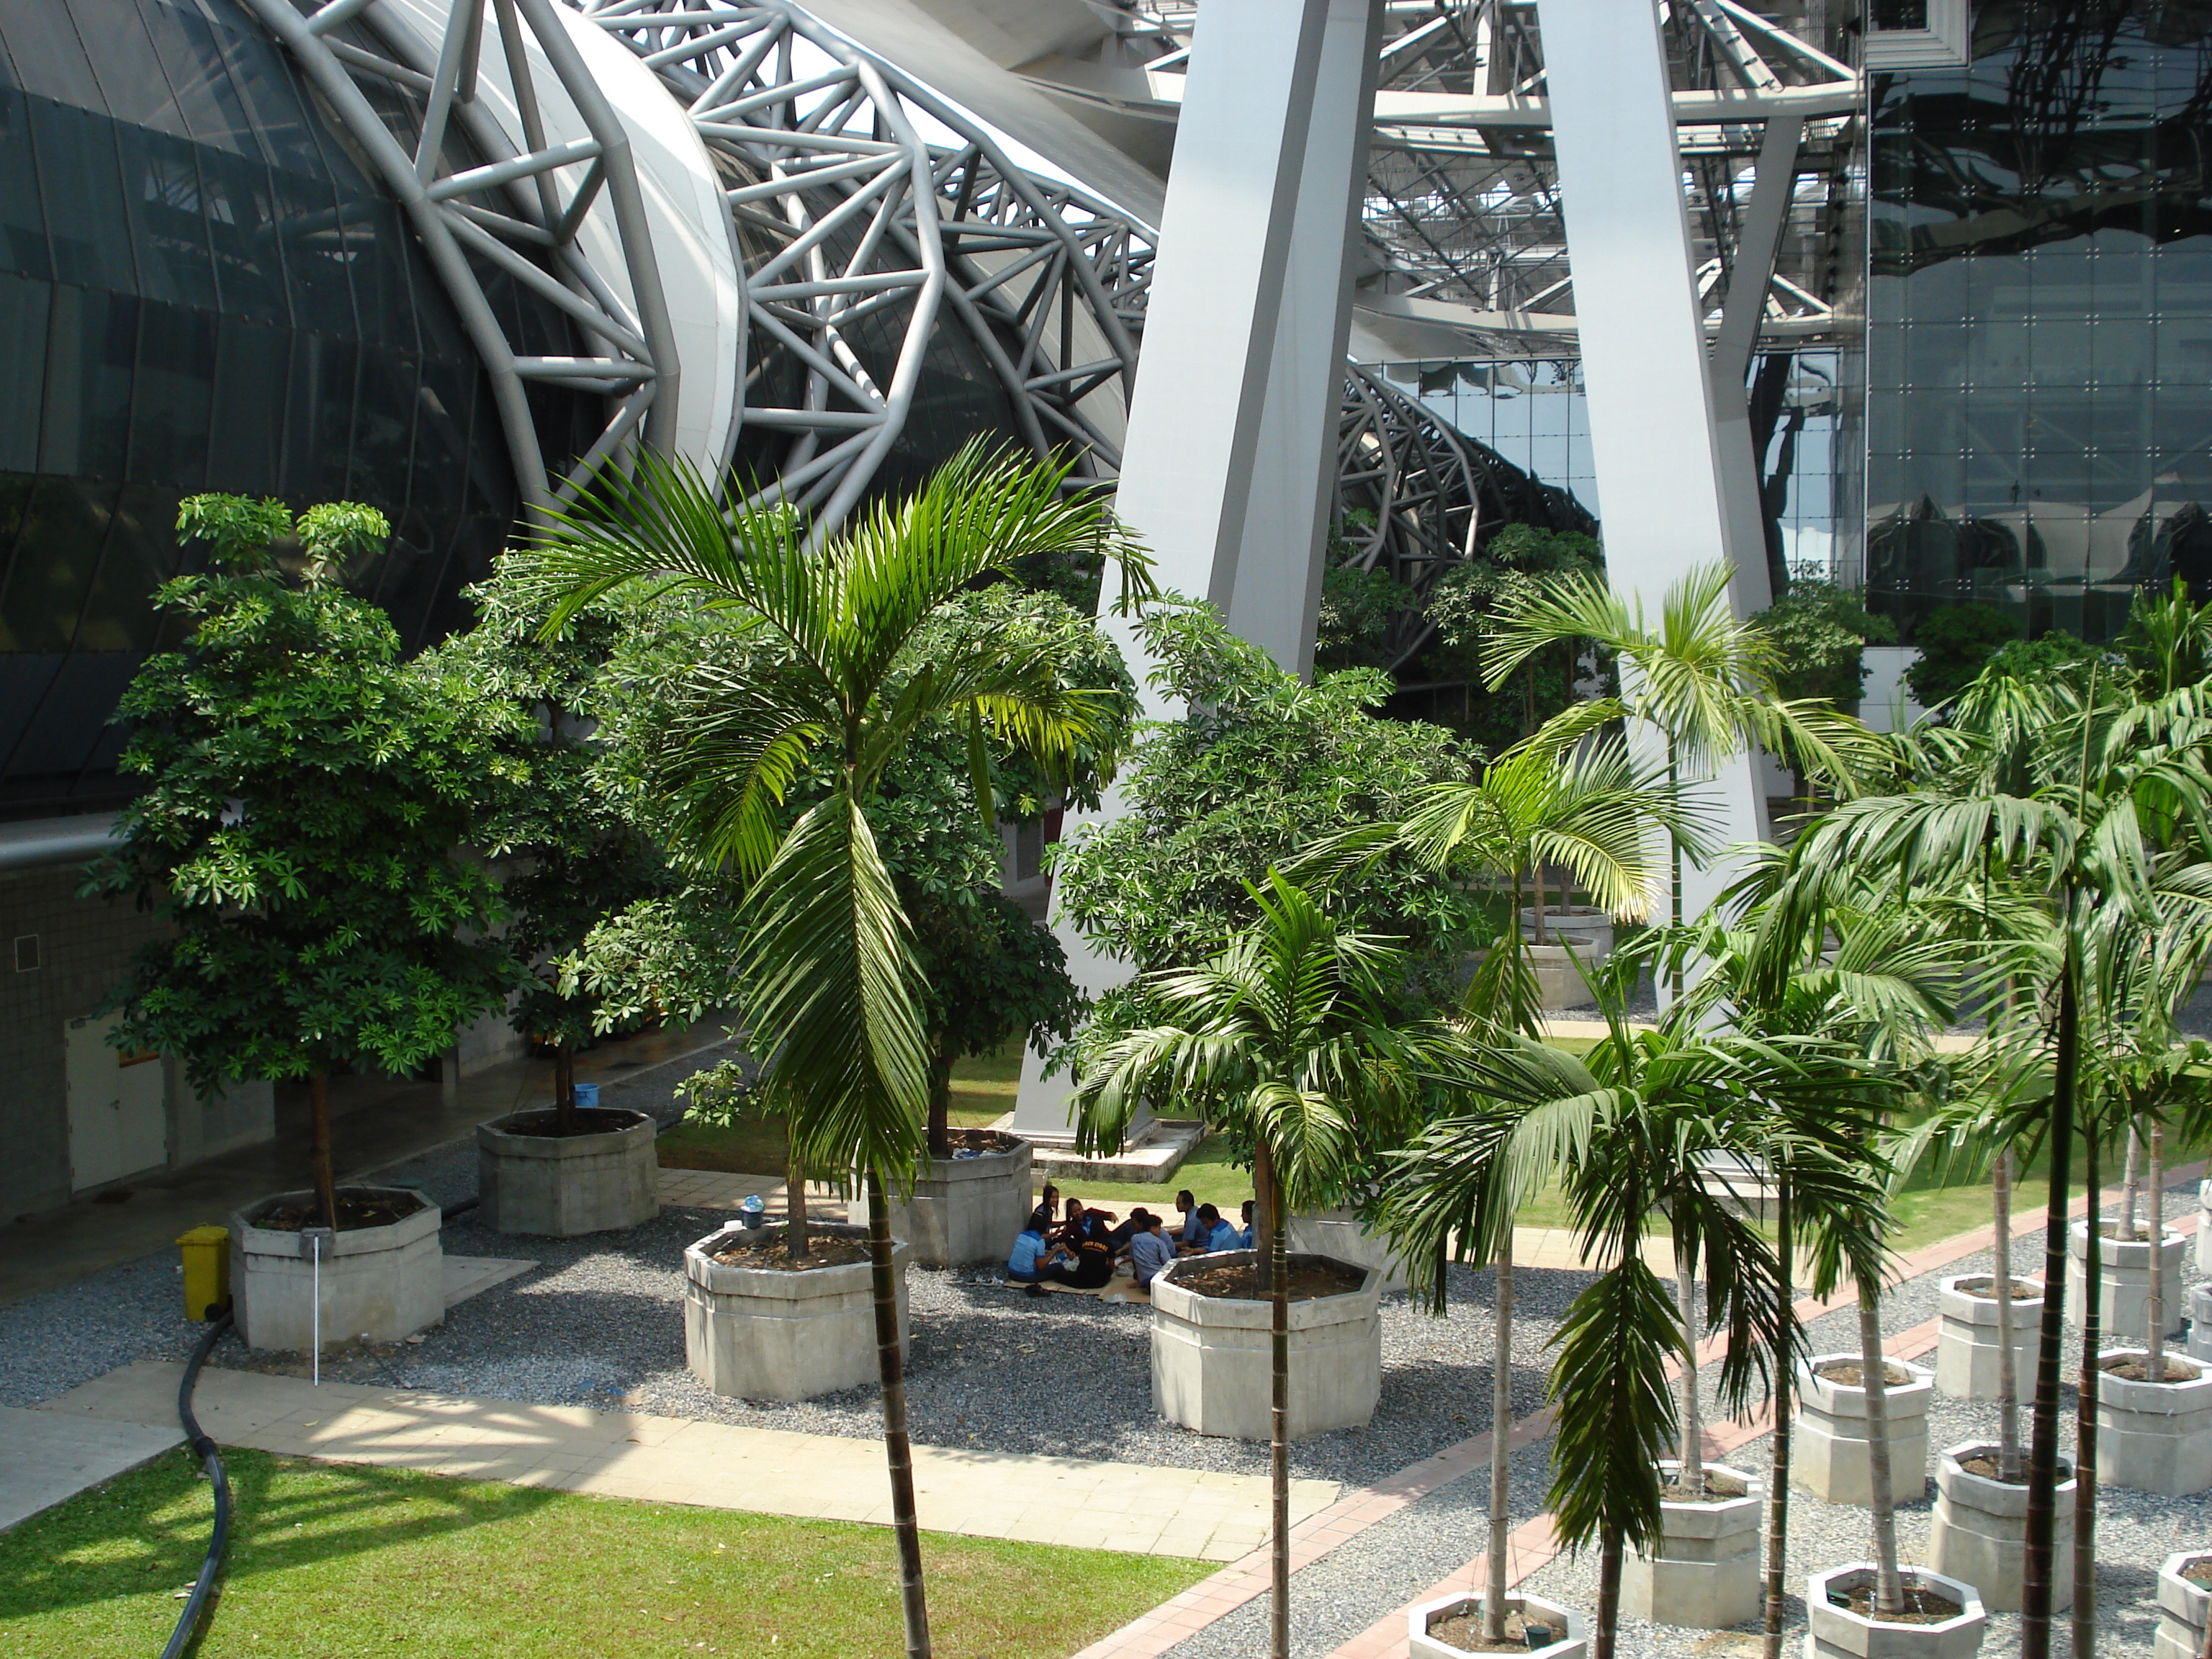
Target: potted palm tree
<point>833,999</point>
<point>1288,1040</point>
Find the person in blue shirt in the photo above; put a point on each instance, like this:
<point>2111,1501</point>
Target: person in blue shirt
<point>1026,1265</point>
<point>1149,1251</point>
<point>1219,1234</point>
<point>1189,1230</point>
<point>1244,1237</point>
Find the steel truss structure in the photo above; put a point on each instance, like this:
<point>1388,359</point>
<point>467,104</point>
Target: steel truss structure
<point>847,211</point>
<point>1415,496</point>
<point>514,199</point>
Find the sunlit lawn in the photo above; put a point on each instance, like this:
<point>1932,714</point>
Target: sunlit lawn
<point>335,1562</point>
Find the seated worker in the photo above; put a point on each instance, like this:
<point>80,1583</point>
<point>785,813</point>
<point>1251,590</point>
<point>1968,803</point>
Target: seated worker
<point>1026,1265</point>
<point>1150,1249</point>
<point>1138,1219</point>
<point>1040,1216</point>
<point>1084,1261</point>
<point>1071,1223</point>
<point>1187,1230</point>
<point>1219,1234</point>
<point>1244,1237</point>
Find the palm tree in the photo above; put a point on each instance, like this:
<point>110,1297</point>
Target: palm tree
<point>826,955</point>
<point>1700,680</point>
<point>2086,802</point>
<point>1287,1039</point>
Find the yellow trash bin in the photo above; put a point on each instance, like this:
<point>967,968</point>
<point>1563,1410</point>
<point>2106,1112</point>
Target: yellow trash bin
<point>207,1272</point>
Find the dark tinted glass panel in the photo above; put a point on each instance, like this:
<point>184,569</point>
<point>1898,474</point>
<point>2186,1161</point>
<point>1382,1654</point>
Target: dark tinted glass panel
<point>205,286</point>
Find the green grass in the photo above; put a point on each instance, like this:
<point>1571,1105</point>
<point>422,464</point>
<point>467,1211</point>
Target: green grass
<point>334,1562</point>
<point>982,1092</point>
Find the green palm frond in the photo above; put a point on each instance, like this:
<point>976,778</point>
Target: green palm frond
<point>1616,1417</point>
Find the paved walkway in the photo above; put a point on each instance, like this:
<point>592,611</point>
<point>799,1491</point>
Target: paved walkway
<point>1068,1501</point>
<point>43,1462</point>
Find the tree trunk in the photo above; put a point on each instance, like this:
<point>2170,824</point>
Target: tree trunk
<point>940,1100</point>
<point>1873,1375</point>
<point>564,1089</point>
<point>1537,870</point>
<point>319,1147</point>
<point>1675,872</point>
<point>2009,1467</point>
<point>1501,1444</point>
<point>795,1193</point>
<point>2154,1303</point>
<point>1278,1414</point>
<point>2043,1448</point>
<point>2131,1184</point>
<point>1778,1484</point>
<point>1608,1593</point>
<point>1264,1220</point>
<point>1693,1430</point>
<point>882,1276</point>
<point>2084,1617</point>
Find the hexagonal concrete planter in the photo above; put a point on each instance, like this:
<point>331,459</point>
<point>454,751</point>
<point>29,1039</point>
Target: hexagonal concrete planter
<point>2154,1436</point>
<point>1829,1455</point>
<point>1588,930</point>
<point>1704,1575</point>
<point>560,1186</point>
<point>378,1284</point>
<point>770,1334</point>
<point>2200,1320</point>
<point>1419,1644</point>
<point>1338,1234</point>
<point>2182,1609</point>
<point>1966,1355</point>
<point>1838,1633</point>
<point>1979,1534</point>
<point>2205,1226</point>
<point>2123,1268</point>
<point>965,1210</point>
<point>1210,1355</point>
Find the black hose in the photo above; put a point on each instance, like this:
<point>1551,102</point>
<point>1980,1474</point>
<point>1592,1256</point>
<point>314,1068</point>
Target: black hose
<point>461,1208</point>
<point>211,1460</point>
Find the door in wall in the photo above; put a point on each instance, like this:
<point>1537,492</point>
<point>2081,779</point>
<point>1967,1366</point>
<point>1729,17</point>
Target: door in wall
<point>117,1121</point>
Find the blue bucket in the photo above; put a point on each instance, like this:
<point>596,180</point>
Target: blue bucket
<point>587,1097</point>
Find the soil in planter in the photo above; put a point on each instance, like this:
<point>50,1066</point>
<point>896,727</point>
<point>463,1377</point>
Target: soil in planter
<point>1721,1487</point>
<point>1463,1631</point>
<point>590,1120</point>
<point>1234,1281</point>
<point>1849,1373</point>
<point>2111,1229</point>
<point>821,1251</point>
<point>983,1140</point>
<point>1920,1606</point>
<point>1986,1289</point>
<point>2135,1370</point>
<point>1984,1466</point>
<point>355,1210</point>
<point>2199,1571</point>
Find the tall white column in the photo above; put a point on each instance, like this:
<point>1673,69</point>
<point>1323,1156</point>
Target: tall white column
<point>1226,470</point>
<point>1637,312</point>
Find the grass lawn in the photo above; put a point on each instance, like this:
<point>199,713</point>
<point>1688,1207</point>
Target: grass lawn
<point>333,1562</point>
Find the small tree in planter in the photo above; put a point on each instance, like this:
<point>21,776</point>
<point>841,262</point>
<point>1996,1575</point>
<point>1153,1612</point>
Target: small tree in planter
<point>307,795</point>
<point>1287,1040</point>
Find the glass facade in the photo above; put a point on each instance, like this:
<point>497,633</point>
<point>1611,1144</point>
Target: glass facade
<point>2039,363</point>
<point>202,288</point>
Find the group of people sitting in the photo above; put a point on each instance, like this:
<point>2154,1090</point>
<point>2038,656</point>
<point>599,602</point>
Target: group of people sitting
<point>1083,1246</point>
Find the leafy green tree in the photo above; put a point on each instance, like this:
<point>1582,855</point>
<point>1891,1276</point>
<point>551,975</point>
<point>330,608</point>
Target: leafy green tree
<point>992,974</point>
<point>1953,641</point>
<point>1820,632</point>
<point>832,990</point>
<point>1289,1039</point>
<point>1352,626</point>
<point>1467,604</point>
<point>307,798</point>
<point>1259,766</point>
<point>573,854</point>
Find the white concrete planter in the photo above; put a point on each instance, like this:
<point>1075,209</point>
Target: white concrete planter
<point>2205,1226</point>
<point>1829,1448</point>
<point>2154,1436</point>
<point>1590,931</point>
<point>1967,1350</point>
<point>564,1185</point>
<point>2123,1270</point>
<point>1705,1574</point>
<point>2182,1607</point>
<point>964,1210</point>
<point>2200,1320</point>
<point>1559,984</point>
<point>1979,1535</point>
<point>1338,1233</point>
<point>769,1334</point>
<point>1838,1633</point>
<point>1419,1644</point>
<point>378,1284</point>
<point>1211,1369</point>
